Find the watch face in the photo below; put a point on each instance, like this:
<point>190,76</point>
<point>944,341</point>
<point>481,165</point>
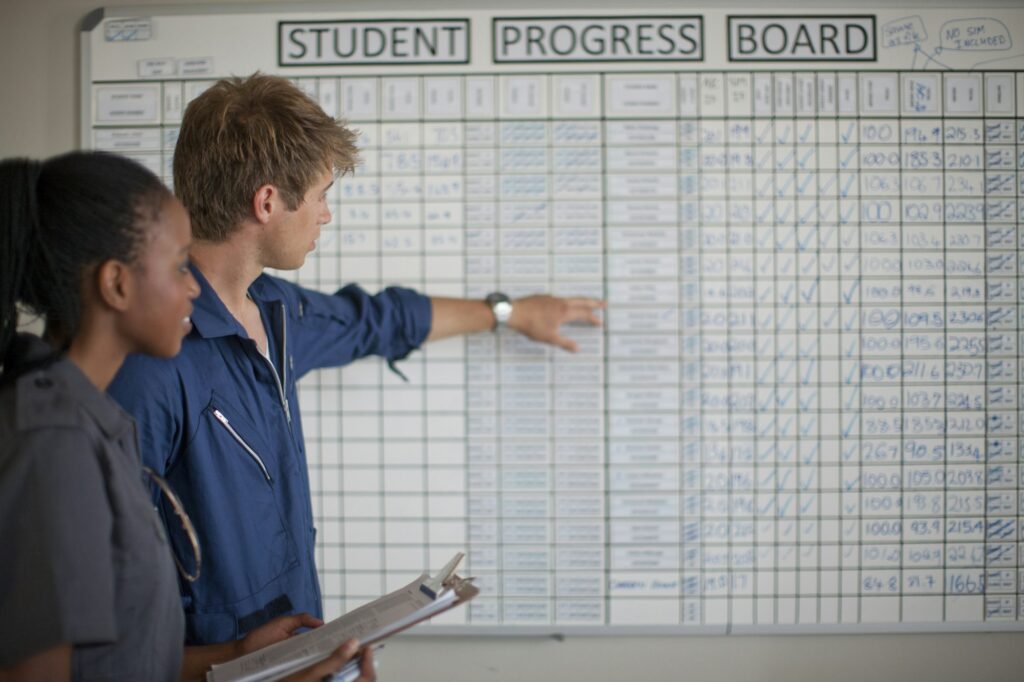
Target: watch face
<point>502,311</point>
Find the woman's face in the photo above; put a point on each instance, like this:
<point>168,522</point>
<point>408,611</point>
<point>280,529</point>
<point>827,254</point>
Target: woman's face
<point>164,287</point>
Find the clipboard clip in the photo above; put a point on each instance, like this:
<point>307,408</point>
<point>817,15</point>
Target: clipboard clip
<point>445,578</point>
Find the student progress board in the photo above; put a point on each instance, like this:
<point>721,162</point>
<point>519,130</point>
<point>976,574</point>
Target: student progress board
<point>803,409</point>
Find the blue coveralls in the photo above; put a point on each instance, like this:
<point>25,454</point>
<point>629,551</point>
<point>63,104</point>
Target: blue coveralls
<point>221,423</point>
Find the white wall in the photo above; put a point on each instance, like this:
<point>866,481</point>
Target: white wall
<point>39,117</point>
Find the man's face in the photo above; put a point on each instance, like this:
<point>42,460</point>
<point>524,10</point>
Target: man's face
<point>291,238</point>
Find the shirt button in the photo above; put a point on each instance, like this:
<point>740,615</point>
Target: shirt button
<point>44,382</point>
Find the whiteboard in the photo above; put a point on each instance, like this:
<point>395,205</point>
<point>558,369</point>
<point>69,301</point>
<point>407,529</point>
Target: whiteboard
<point>803,411</point>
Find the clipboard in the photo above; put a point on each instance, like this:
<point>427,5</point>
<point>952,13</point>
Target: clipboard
<point>420,600</point>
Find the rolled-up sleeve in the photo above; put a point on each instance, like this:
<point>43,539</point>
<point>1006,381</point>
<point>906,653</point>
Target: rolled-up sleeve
<point>333,330</point>
<point>57,576</point>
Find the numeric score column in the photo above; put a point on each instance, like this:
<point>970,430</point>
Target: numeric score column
<point>919,183</point>
<point>966,365</point>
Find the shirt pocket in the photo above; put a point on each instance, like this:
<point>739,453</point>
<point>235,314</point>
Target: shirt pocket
<point>235,503</point>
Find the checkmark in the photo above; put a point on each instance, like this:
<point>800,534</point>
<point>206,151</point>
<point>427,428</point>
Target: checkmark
<point>849,484</point>
<point>802,163</point>
<point>809,294</point>
<point>809,459</point>
<point>823,189</point>
<point>787,456</point>
<point>766,189</point>
<point>844,219</point>
<point>845,136</point>
<point>810,349</point>
<point>782,139</point>
<point>807,320</point>
<point>827,323</point>
<point>805,404</point>
<point>851,349</point>
<point>825,212</point>
<point>809,234</point>
<point>845,190</point>
<point>785,479</point>
<point>782,190</point>
<point>849,293</point>
<point>812,263</point>
<point>850,374</point>
<point>804,219</point>
<point>850,508</point>
<point>762,218</point>
<point>806,380</point>
<point>804,430</point>
<point>764,133</point>
<point>853,399</point>
<point>854,318</point>
<point>789,292</point>
<point>850,451</point>
<point>787,370</point>
<point>850,239</point>
<point>784,216</point>
<point>782,401</point>
<point>806,506</point>
<point>767,429</point>
<point>850,423</point>
<point>767,478</point>
<point>784,319</point>
<point>849,157</point>
<point>761,380</point>
<point>779,245</point>
<point>851,263</point>
<point>785,505</point>
<point>765,266</point>
<point>808,129</point>
<point>785,160</point>
<point>785,429</point>
<point>802,187</point>
<point>766,509</point>
<point>764,295</point>
<point>828,266</point>
<point>823,242</point>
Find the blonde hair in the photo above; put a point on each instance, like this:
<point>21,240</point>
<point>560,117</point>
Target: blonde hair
<point>243,133</point>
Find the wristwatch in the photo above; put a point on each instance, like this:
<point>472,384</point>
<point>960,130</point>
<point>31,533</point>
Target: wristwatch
<point>501,306</point>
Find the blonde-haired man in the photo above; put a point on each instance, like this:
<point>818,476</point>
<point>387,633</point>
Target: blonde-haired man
<point>254,161</point>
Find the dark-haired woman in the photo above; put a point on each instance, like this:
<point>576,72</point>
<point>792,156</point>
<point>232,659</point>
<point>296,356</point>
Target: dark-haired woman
<point>98,247</point>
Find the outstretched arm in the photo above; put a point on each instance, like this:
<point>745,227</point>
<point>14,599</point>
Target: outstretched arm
<point>538,317</point>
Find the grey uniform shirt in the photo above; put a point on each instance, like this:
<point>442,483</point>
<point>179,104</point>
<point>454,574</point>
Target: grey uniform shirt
<point>84,556</point>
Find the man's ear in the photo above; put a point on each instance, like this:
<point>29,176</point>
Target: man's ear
<point>115,284</point>
<point>264,202</point>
